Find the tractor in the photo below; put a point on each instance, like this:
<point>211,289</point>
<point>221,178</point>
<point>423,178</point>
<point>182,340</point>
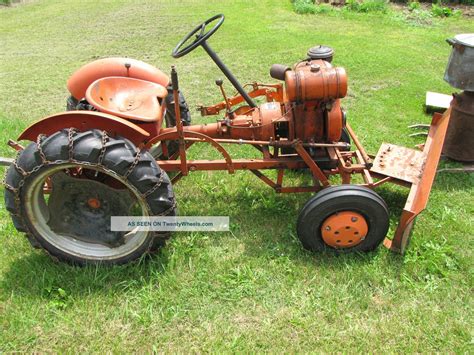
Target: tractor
<point>127,129</point>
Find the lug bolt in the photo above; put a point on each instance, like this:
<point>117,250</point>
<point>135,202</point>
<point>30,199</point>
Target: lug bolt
<point>328,228</point>
<point>354,219</point>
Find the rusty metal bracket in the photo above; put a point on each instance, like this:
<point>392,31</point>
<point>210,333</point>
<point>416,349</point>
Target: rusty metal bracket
<point>258,90</point>
<point>315,170</point>
<point>421,183</point>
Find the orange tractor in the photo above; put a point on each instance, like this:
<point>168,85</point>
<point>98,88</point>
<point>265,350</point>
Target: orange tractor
<point>128,126</point>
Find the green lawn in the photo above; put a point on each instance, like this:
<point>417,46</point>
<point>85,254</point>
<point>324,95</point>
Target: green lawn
<point>255,288</point>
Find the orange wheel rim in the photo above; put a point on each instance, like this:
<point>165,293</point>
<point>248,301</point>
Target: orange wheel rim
<point>93,203</point>
<point>344,229</point>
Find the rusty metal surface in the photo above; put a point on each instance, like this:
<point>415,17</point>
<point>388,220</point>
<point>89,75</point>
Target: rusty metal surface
<point>355,139</point>
<point>173,135</point>
<point>399,162</point>
<point>237,164</point>
<point>315,170</point>
<point>459,142</point>
<point>127,98</point>
<point>86,120</point>
<point>420,189</point>
<point>271,92</point>
<point>315,80</point>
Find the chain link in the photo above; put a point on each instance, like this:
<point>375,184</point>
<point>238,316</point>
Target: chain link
<point>70,143</point>
<point>167,212</point>
<point>134,164</point>
<point>105,139</point>
<point>157,185</point>
<point>17,167</point>
<point>98,165</point>
<point>39,141</point>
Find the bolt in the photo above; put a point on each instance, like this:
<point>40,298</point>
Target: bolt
<point>328,228</point>
<point>354,219</point>
<point>315,68</point>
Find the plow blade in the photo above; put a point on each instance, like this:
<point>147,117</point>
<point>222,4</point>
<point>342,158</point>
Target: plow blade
<point>415,168</point>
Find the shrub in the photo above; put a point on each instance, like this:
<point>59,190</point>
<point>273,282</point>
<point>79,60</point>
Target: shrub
<point>418,17</point>
<point>443,11</point>
<point>304,6</point>
<point>309,7</point>
<point>414,5</point>
<point>367,5</point>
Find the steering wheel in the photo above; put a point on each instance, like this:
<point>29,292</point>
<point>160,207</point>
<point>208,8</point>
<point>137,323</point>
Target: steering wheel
<point>178,51</point>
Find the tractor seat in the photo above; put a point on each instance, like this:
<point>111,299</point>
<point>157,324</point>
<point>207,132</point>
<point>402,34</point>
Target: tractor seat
<point>127,98</point>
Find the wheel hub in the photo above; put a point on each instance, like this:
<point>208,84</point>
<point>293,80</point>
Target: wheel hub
<point>81,208</point>
<point>344,229</point>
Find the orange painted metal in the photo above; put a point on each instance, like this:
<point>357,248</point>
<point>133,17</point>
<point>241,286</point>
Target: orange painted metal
<point>344,229</point>
<point>127,98</point>
<point>315,170</point>
<point>174,134</point>
<point>93,203</point>
<point>86,120</point>
<point>298,127</point>
<point>420,184</point>
<point>355,139</point>
<point>315,80</point>
<point>87,74</point>
<point>334,122</point>
<point>237,164</point>
<point>272,92</point>
<point>258,124</point>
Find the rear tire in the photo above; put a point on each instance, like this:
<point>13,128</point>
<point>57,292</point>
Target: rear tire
<point>331,201</point>
<point>116,166</point>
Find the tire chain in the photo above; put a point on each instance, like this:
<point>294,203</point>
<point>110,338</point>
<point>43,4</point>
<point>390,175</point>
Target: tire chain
<point>46,162</point>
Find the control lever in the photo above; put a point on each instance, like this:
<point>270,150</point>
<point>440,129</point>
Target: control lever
<point>220,83</point>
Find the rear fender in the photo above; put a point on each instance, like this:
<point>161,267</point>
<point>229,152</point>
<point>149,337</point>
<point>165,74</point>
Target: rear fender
<point>83,121</point>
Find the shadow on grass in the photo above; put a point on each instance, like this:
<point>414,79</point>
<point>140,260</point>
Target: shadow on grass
<point>265,225</point>
<point>36,274</point>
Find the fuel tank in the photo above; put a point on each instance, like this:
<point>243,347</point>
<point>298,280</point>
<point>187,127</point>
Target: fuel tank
<point>315,80</point>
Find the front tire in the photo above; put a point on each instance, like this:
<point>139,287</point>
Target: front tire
<point>90,177</point>
<point>344,218</point>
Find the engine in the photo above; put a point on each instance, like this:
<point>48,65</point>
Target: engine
<point>308,108</point>
<point>313,89</point>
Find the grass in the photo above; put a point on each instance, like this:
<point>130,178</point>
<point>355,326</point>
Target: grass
<point>255,288</point>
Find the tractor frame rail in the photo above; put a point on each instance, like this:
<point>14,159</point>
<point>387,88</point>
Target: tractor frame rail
<point>412,168</point>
